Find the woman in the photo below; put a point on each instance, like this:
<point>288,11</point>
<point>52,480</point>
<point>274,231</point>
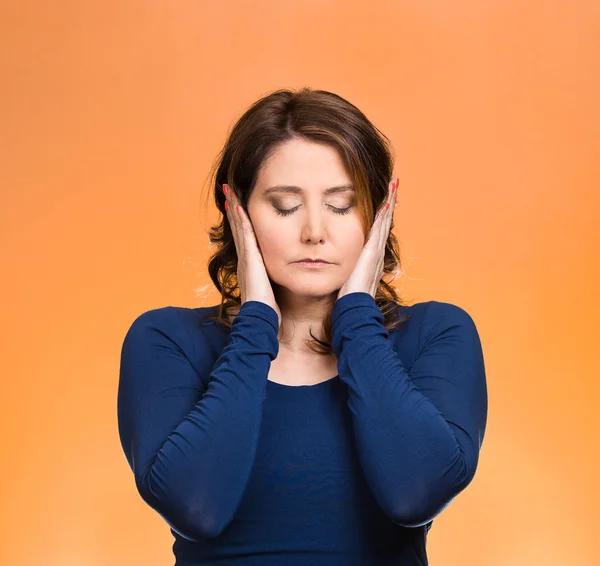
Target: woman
<point>311,418</point>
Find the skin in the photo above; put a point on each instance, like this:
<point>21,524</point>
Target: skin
<point>269,244</point>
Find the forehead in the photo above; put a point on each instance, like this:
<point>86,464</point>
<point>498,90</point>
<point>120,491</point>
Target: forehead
<point>298,166</point>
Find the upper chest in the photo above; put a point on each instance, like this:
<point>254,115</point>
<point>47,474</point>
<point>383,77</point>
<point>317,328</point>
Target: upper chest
<point>293,369</point>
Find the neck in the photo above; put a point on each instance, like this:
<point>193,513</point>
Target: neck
<point>301,315</point>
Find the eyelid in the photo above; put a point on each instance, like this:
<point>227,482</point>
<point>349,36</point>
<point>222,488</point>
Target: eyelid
<point>278,202</point>
<point>335,210</point>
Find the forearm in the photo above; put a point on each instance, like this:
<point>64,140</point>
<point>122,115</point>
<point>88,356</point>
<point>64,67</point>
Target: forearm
<point>411,458</point>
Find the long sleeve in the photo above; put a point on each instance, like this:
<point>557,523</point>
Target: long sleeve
<point>192,447</point>
<point>418,431</point>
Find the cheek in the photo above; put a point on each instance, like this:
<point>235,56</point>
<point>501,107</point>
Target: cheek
<point>271,243</point>
<point>352,246</point>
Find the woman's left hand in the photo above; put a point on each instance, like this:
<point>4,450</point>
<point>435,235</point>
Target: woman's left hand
<point>369,267</point>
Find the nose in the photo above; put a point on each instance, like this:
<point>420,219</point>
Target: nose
<point>313,227</point>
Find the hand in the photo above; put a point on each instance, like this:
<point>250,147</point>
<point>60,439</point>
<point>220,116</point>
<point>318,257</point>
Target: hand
<point>252,275</point>
<point>369,267</point>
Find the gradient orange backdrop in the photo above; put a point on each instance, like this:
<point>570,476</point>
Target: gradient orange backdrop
<point>110,116</point>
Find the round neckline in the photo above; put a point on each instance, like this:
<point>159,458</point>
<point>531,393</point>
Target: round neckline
<point>304,387</point>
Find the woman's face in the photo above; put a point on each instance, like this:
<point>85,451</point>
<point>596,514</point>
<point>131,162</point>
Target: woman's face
<point>319,224</point>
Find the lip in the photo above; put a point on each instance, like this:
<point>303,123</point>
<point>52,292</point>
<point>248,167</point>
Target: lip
<point>308,260</point>
<point>312,264</point>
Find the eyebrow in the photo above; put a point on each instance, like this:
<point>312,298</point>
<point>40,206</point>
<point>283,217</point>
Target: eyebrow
<point>292,189</point>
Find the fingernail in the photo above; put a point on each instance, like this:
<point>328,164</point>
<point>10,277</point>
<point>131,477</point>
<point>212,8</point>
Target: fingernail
<point>387,205</point>
<point>393,185</point>
<point>237,208</point>
<point>225,189</point>
<point>226,206</point>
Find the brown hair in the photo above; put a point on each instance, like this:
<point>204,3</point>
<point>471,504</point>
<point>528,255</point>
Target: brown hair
<point>313,115</point>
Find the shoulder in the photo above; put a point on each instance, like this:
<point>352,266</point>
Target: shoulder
<point>438,311</point>
<point>174,319</point>
<point>443,320</point>
<point>168,318</point>
<point>189,331</point>
<point>158,326</point>
<point>427,319</point>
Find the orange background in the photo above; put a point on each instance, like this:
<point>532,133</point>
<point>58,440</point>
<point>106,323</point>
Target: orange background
<point>111,115</point>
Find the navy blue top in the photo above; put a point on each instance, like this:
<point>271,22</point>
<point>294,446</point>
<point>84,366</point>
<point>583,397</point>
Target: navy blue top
<point>349,471</point>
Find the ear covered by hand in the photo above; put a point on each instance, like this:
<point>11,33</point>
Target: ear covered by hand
<point>252,276</point>
<point>368,270</point>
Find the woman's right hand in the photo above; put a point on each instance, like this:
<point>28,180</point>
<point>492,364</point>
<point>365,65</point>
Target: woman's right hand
<point>252,277</point>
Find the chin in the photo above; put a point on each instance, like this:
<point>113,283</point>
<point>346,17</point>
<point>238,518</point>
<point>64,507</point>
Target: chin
<point>310,285</point>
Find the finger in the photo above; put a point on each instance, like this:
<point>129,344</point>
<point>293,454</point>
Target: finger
<point>233,217</point>
<point>393,201</point>
<point>245,231</point>
<point>392,209</point>
<point>248,230</point>
<point>388,213</point>
<point>376,227</point>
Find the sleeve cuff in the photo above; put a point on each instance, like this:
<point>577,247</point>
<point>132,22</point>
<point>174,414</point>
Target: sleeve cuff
<point>353,315</point>
<point>260,310</point>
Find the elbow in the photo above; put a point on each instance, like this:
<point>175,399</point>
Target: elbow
<point>195,528</point>
<point>418,516</point>
<point>186,519</point>
<point>427,501</point>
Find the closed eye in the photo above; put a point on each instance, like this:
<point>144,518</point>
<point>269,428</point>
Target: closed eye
<point>282,212</point>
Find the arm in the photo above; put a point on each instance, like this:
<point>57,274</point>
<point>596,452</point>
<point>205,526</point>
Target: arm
<point>191,451</point>
<point>418,432</point>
